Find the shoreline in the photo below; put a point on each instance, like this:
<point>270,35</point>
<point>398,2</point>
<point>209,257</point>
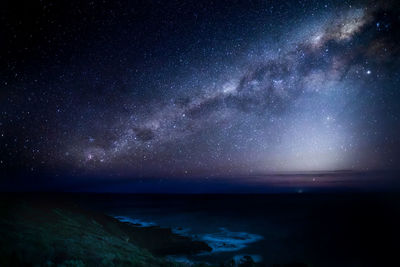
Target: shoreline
<point>48,232</point>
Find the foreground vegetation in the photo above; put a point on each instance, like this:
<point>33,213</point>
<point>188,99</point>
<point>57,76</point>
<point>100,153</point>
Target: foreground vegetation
<point>45,233</point>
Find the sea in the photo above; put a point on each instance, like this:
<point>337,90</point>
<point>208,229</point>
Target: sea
<point>297,229</point>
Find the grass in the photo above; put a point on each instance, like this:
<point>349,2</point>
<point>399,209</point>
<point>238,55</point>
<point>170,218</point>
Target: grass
<point>40,233</point>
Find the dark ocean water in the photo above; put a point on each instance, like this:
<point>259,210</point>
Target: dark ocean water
<point>317,229</point>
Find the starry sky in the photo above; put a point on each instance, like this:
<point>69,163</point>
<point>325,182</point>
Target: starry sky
<point>198,88</point>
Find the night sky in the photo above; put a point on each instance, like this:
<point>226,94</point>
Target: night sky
<point>198,88</point>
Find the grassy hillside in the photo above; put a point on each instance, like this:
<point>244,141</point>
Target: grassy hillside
<point>56,233</point>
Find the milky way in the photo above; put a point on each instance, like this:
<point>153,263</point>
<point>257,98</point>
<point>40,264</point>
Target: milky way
<point>313,86</point>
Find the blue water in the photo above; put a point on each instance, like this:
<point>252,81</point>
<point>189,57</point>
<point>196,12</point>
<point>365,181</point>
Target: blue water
<point>319,230</point>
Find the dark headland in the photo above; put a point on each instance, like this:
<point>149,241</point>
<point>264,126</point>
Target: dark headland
<point>58,232</point>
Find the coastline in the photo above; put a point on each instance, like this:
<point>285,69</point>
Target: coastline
<point>49,232</point>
